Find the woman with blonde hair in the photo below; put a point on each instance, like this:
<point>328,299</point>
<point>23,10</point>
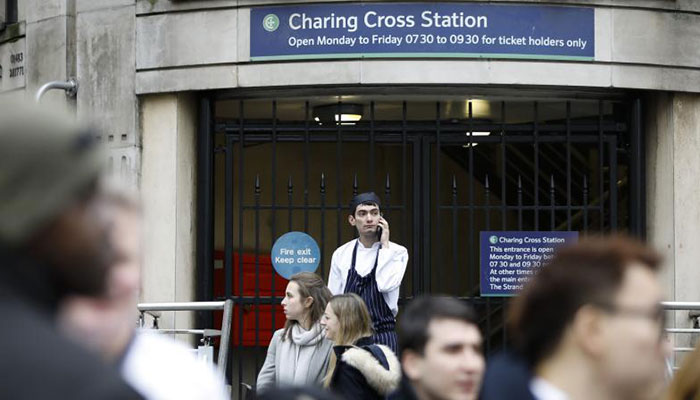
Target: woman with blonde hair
<point>298,354</point>
<point>359,369</point>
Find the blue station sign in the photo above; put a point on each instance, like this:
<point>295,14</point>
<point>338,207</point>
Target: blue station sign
<point>449,30</point>
<point>509,258</point>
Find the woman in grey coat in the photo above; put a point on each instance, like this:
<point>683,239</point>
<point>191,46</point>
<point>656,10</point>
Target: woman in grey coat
<point>299,353</point>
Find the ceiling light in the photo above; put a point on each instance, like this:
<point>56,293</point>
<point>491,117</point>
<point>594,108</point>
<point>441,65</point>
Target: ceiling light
<point>342,113</point>
<point>480,108</point>
<point>348,118</point>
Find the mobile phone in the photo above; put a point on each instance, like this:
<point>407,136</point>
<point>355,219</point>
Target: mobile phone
<point>379,233</point>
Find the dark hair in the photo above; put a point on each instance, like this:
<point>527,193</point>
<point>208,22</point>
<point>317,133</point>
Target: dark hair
<point>413,325</point>
<point>589,272</point>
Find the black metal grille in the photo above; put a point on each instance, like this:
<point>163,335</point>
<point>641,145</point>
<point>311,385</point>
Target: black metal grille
<point>442,181</point>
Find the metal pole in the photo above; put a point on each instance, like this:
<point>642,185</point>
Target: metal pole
<point>205,207</point>
<point>680,305</point>
<point>225,336</point>
<point>185,306</point>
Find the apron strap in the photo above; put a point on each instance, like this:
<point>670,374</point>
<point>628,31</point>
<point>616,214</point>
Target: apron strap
<point>354,256</point>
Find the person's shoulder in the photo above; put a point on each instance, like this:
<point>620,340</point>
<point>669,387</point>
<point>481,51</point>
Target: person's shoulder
<point>47,357</point>
<point>325,342</point>
<point>153,345</point>
<point>278,335</point>
<point>381,379</point>
<point>348,246</point>
<point>397,247</point>
<point>156,364</point>
<point>325,346</point>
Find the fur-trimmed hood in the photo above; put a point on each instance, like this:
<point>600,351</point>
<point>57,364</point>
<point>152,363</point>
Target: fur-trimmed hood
<point>382,380</point>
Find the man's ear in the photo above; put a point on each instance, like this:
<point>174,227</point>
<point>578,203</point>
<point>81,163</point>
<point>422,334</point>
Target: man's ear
<point>412,364</point>
<point>588,329</point>
<point>351,220</point>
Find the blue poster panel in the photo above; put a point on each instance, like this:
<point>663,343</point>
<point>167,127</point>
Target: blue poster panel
<point>295,252</point>
<point>450,30</point>
<point>509,258</point>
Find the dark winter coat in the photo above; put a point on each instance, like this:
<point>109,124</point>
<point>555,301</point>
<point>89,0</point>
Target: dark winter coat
<point>404,392</point>
<point>360,374</point>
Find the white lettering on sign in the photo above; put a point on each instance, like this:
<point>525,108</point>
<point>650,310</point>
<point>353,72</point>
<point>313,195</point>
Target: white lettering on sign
<point>374,20</point>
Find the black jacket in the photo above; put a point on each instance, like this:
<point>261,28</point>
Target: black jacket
<point>404,392</point>
<point>36,362</point>
<point>507,377</point>
<point>365,371</point>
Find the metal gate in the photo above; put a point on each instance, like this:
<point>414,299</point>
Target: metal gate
<point>441,181</point>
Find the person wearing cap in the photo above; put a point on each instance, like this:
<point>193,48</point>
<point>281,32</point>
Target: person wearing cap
<point>371,266</point>
<point>53,243</point>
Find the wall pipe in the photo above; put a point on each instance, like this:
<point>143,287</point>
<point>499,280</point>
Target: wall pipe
<point>70,86</point>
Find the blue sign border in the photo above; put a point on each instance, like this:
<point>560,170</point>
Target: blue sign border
<point>269,42</point>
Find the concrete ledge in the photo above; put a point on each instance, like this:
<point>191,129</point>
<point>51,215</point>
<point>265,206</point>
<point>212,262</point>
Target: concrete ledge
<point>160,6</point>
<point>656,78</point>
<point>181,79</point>
<point>317,73</point>
<point>94,5</point>
<point>419,72</point>
<point>488,72</point>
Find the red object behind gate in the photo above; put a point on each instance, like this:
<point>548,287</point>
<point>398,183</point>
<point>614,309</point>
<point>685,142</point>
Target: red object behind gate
<point>265,289</point>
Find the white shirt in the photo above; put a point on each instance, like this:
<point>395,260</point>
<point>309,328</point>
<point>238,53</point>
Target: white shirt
<point>160,368</point>
<point>543,390</point>
<point>391,266</point>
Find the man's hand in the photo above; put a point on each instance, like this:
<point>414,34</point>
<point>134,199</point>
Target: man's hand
<point>385,232</point>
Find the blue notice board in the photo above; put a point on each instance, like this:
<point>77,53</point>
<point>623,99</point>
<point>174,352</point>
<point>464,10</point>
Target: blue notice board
<point>430,29</point>
<point>509,258</point>
<point>295,252</point>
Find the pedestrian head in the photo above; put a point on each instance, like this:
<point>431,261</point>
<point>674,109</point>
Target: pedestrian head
<point>304,301</point>
<point>364,199</point>
<point>441,348</point>
<point>365,213</point>
<point>51,211</point>
<point>346,319</point>
<point>598,302</point>
<point>105,323</point>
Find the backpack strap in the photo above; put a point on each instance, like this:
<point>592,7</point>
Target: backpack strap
<point>378,354</point>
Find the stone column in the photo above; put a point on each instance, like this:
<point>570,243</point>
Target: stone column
<point>673,195</point>
<point>168,170</point>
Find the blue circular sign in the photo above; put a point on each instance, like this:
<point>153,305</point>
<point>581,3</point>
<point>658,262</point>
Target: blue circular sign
<point>295,252</point>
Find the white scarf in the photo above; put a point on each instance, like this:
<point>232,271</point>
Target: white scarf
<point>296,354</point>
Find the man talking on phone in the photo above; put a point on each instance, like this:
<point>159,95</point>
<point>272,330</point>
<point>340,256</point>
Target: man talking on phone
<point>371,266</point>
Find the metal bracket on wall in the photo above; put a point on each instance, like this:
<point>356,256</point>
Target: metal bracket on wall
<point>70,86</point>
<point>695,316</point>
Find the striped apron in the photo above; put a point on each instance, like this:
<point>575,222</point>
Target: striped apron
<point>383,320</point>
